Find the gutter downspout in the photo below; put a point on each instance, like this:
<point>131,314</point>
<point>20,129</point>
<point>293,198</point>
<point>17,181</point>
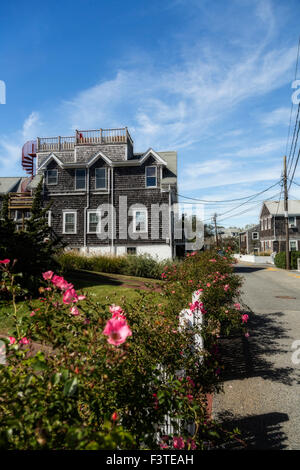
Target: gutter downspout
<point>112,210</point>
<point>170,222</point>
<point>85,210</point>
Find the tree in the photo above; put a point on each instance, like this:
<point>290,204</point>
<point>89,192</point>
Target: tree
<point>35,247</point>
<point>7,229</point>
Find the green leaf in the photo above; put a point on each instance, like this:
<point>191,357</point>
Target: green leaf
<point>70,387</point>
<point>39,365</point>
<point>55,379</point>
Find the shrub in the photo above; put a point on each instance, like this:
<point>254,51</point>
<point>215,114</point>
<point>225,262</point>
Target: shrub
<point>97,381</point>
<point>294,257</point>
<point>132,265</point>
<point>279,260</point>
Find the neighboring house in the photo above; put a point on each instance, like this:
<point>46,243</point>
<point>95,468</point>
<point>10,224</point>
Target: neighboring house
<point>230,232</point>
<point>272,226</point>
<point>249,242</point>
<point>19,205</point>
<point>87,173</point>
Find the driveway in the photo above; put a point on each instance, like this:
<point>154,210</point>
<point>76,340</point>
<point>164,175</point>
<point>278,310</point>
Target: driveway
<point>261,392</point>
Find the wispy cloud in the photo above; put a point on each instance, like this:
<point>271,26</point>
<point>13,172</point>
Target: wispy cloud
<point>11,145</point>
<point>277,117</point>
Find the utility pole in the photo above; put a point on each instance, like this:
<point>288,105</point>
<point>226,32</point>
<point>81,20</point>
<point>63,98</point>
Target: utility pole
<point>286,215</point>
<point>216,229</point>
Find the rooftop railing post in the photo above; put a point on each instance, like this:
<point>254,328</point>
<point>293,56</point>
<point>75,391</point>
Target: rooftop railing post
<point>100,136</point>
<point>59,142</point>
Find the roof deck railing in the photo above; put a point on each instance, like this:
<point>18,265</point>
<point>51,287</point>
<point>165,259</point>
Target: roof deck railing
<point>20,201</point>
<point>88,137</point>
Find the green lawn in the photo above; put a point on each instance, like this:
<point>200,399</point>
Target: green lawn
<point>99,286</point>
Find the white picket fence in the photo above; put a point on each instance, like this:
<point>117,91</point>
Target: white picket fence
<point>188,319</point>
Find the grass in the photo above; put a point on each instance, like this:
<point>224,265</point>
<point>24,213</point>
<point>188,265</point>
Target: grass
<point>99,286</point>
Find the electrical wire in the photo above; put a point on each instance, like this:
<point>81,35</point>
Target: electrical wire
<point>247,210</point>
<point>296,163</point>
<point>228,200</point>
<point>292,104</point>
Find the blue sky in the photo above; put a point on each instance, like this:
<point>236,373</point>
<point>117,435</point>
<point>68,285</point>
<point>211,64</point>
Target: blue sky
<point>211,80</point>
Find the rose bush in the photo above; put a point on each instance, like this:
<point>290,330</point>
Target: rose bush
<point>84,375</point>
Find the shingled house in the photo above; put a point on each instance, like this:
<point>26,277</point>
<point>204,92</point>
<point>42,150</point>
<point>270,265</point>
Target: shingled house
<point>19,201</point>
<point>272,226</point>
<point>249,241</point>
<point>84,174</point>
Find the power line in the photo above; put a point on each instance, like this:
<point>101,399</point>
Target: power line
<point>294,182</point>
<point>292,104</point>
<point>280,195</point>
<point>253,204</point>
<point>294,142</point>
<point>228,200</point>
<point>240,205</point>
<point>296,163</point>
<point>247,210</point>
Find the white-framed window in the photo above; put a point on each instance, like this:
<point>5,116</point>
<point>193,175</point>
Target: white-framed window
<point>80,178</point>
<point>293,245</point>
<point>93,221</point>
<point>261,224</point>
<point>100,178</point>
<point>269,223</point>
<point>48,218</point>
<point>151,176</point>
<point>292,222</point>
<point>140,221</point>
<point>255,235</point>
<point>131,250</point>
<point>69,222</point>
<point>52,177</point>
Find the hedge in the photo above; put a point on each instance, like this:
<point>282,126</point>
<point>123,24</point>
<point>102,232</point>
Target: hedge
<point>280,259</point>
<point>141,265</point>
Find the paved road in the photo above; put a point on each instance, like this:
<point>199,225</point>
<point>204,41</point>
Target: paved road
<point>262,385</point>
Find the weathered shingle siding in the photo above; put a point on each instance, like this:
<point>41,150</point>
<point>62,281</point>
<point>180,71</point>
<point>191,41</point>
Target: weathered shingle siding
<point>115,152</point>
<point>128,181</point>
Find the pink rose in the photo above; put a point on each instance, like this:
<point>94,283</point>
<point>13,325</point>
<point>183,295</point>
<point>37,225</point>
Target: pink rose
<point>24,340</point>
<point>5,261</point>
<point>245,318</point>
<point>178,443</point>
<point>48,275</point>
<point>12,340</point>
<point>191,444</point>
<point>117,331</point>
<point>61,283</point>
<point>70,296</point>
<point>74,311</point>
<point>116,311</point>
